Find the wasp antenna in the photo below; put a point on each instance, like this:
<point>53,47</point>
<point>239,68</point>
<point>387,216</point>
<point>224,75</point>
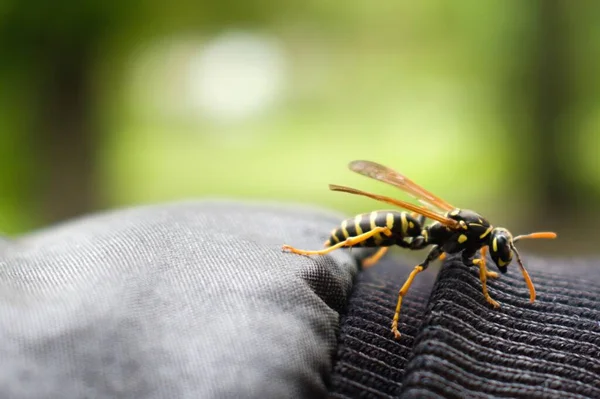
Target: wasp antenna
<point>543,234</point>
<point>525,275</point>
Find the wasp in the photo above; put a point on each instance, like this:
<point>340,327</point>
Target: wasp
<point>453,230</point>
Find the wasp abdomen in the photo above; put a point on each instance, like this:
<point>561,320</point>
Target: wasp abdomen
<point>401,224</point>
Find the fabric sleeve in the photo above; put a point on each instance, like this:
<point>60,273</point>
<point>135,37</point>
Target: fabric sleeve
<point>185,300</point>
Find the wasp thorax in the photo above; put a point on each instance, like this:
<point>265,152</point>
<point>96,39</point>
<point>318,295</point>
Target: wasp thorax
<point>500,248</point>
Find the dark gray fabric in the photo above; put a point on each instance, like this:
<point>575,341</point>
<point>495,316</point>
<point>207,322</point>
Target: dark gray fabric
<point>186,300</point>
<point>455,345</point>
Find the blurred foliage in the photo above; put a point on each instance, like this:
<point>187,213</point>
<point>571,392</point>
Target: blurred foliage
<point>491,105</point>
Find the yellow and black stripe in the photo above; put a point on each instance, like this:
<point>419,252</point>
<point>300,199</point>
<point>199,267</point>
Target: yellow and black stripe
<point>397,222</point>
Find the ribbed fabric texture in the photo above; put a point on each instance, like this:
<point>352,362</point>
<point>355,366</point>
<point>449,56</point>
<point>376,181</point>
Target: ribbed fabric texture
<point>456,346</point>
<point>370,362</point>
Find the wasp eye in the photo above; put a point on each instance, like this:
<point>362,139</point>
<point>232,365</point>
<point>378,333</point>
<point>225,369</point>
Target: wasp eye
<point>498,245</point>
<point>500,251</point>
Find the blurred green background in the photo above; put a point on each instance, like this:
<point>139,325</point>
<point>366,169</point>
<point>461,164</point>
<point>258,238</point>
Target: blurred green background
<point>494,106</point>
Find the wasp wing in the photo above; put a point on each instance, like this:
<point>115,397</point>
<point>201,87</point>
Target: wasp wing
<point>390,176</point>
<point>402,204</point>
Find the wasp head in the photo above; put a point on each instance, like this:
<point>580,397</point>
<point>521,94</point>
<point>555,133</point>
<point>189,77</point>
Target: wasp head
<point>502,247</point>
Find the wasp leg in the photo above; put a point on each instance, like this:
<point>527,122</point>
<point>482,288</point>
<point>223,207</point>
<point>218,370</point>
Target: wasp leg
<point>489,274</point>
<point>349,242</point>
<point>442,256</point>
<point>484,273</point>
<point>371,260</point>
<point>433,254</point>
